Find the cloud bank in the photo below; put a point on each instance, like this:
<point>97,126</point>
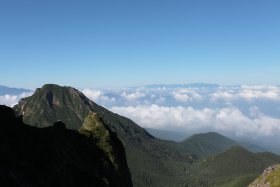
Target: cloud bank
<point>228,120</point>
<point>11,100</point>
<point>240,111</point>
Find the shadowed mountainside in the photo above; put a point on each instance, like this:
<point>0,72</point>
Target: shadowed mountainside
<point>56,156</point>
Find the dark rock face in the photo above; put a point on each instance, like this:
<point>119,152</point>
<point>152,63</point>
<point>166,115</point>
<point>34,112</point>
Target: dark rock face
<point>52,103</point>
<point>53,156</point>
<point>49,97</point>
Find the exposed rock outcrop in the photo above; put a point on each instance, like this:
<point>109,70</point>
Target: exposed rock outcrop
<point>269,178</point>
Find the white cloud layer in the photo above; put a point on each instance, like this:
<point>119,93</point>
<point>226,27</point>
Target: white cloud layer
<point>132,96</point>
<point>241,111</point>
<point>224,120</point>
<point>248,93</point>
<point>185,95</point>
<point>97,96</point>
<point>11,100</point>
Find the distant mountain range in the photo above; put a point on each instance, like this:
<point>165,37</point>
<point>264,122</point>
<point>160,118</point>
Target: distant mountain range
<point>206,144</point>
<point>203,139</point>
<point>168,135</point>
<point>192,85</point>
<point>12,91</point>
<point>201,160</point>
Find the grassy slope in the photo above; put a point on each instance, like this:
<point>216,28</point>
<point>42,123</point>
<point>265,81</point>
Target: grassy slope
<point>234,167</point>
<point>272,177</point>
<point>95,129</point>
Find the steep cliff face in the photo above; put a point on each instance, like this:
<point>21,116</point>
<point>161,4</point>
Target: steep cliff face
<point>56,156</point>
<point>52,103</point>
<point>269,178</point>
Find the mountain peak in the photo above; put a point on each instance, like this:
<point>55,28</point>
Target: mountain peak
<point>53,103</point>
<point>46,86</point>
<point>51,87</point>
<point>210,143</point>
<point>56,88</point>
<point>206,134</point>
<point>213,136</point>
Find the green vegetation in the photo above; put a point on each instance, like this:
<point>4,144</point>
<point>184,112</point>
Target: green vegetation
<point>233,167</point>
<point>206,144</point>
<point>95,129</point>
<point>274,178</point>
<point>270,177</point>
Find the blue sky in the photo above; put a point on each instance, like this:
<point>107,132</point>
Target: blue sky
<point>125,43</point>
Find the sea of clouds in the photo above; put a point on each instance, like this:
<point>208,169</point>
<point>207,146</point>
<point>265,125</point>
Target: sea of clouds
<point>236,111</point>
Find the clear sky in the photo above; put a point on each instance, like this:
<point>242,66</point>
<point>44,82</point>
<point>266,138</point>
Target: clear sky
<point>98,43</point>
